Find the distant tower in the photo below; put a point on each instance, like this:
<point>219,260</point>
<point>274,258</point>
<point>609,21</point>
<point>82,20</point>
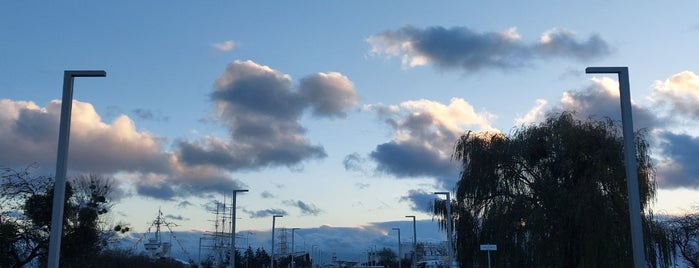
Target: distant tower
<point>283,250</point>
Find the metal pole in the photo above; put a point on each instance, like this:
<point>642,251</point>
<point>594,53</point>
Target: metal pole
<point>293,256</point>
<point>235,192</point>
<point>271,259</point>
<point>414,253</point>
<point>400,257</point>
<point>639,258</point>
<point>450,249</point>
<point>59,187</point>
<point>488,258</point>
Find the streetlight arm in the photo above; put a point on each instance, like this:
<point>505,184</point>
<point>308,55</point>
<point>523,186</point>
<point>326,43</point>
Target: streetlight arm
<point>83,73</point>
<point>606,70</point>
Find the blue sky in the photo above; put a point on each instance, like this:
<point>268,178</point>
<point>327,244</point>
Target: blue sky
<point>334,113</point>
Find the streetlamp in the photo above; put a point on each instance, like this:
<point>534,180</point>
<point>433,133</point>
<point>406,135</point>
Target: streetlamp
<point>313,247</point>
<point>59,188</point>
<point>235,192</point>
<point>414,253</point>
<point>450,249</point>
<point>271,260</point>
<point>293,253</point>
<point>400,257</point>
<point>639,258</point>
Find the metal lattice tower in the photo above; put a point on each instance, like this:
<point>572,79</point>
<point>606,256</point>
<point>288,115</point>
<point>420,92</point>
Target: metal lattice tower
<point>283,247</point>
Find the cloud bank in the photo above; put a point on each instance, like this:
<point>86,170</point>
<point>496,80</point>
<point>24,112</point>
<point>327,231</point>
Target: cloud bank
<point>471,51</point>
<point>262,113</point>
<point>28,134</point>
<point>424,132</point>
<point>256,104</point>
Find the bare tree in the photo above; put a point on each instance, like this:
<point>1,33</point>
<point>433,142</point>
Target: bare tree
<point>684,231</point>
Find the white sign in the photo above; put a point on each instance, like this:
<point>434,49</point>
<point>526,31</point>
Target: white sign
<point>489,247</point>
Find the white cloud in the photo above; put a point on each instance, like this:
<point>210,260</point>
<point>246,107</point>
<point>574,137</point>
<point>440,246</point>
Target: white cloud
<point>224,46</point>
<point>29,134</point>
<point>424,133</point>
<point>680,92</point>
<point>511,34</point>
<point>535,114</point>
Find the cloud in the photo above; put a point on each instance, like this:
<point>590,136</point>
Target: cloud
<point>146,114</point>
<point>224,46</point>
<point>470,51</point>
<point>562,43</point>
<point>354,162</point>
<point>263,115</point>
<point>361,186</point>
<point>420,200</point>
<point>176,217</point>
<point>267,195</point>
<point>679,169</point>
<point>306,208</point>
<point>680,93</point>
<point>184,204</point>
<point>424,133</point>
<point>28,134</point>
<point>328,93</point>
<point>601,100</point>
<point>537,113</point>
<point>265,212</point>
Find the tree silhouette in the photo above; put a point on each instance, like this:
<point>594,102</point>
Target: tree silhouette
<point>551,195</point>
<point>684,231</point>
<point>25,219</point>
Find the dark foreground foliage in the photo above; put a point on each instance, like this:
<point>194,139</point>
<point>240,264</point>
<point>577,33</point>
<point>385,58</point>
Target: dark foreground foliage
<point>552,195</point>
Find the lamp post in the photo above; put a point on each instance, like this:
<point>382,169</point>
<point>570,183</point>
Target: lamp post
<point>271,259</point>
<point>450,249</point>
<point>59,188</point>
<point>639,258</point>
<point>293,253</point>
<point>400,257</point>
<point>235,192</point>
<point>313,247</point>
<point>414,253</point>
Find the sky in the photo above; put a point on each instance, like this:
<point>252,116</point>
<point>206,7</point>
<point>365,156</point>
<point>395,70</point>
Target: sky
<point>335,114</point>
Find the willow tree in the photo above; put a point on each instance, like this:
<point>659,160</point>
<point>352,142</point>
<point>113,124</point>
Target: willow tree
<point>552,195</point>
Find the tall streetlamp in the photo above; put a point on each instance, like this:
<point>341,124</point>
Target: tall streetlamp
<point>313,247</point>
<point>414,253</point>
<point>450,249</point>
<point>59,188</point>
<point>400,257</point>
<point>293,252</point>
<point>235,192</point>
<point>271,260</point>
<point>639,258</point>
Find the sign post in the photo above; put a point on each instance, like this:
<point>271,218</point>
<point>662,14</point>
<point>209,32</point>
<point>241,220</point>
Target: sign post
<point>489,248</point>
